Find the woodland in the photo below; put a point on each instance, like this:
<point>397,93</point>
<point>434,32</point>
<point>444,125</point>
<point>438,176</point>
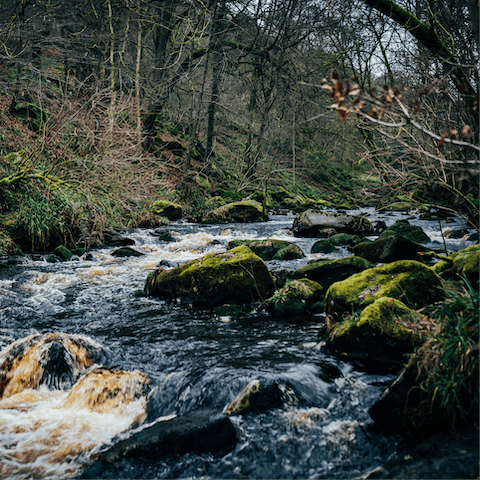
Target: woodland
<point>110,108</point>
<point>109,105</point>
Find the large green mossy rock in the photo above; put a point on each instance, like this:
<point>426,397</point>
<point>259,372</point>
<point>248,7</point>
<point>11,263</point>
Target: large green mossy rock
<point>385,329</point>
<point>235,276</point>
<point>390,248</point>
<point>309,223</point>
<point>244,211</point>
<point>165,209</point>
<point>271,249</point>
<point>413,283</point>
<point>297,297</point>
<point>464,263</point>
<point>326,272</point>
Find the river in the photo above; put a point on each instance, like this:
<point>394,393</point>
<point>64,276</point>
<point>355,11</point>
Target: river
<point>194,360</point>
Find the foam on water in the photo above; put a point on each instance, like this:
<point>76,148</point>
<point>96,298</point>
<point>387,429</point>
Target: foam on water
<point>50,419</point>
<point>41,437</point>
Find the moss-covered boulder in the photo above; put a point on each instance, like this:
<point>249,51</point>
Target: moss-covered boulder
<point>464,263</point>
<point>63,253</point>
<point>322,246</point>
<point>413,233</point>
<point>309,223</point>
<point>385,329</point>
<point>244,211</point>
<point>336,240</point>
<point>341,239</point>
<point>163,208</point>
<point>390,248</point>
<point>415,284</point>
<point>326,272</point>
<point>290,252</point>
<point>235,276</point>
<point>270,249</point>
<point>297,297</point>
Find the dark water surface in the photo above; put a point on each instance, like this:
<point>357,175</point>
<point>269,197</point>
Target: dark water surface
<point>194,360</point>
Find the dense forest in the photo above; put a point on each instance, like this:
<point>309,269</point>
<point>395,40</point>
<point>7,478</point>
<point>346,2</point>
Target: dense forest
<point>109,105</point>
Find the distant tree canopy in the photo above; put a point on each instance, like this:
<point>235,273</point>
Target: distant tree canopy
<point>254,65</point>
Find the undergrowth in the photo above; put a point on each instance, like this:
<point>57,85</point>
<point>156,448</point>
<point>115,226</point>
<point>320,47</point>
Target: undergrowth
<point>448,362</point>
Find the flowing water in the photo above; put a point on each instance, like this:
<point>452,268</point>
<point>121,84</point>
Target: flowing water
<point>190,358</point>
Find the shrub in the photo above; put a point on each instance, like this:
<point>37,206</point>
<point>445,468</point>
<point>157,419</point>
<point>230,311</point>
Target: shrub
<point>448,362</point>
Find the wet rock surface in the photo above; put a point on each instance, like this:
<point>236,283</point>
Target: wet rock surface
<point>200,431</point>
<point>309,223</point>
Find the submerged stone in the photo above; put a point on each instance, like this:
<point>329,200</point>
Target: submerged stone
<point>114,239</point>
<point>413,283</point>
<point>258,396</point>
<point>235,276</point>
<point>126,252</point>
<point>201,431</point>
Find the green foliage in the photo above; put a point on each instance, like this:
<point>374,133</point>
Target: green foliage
<point>42,219</point>
<point>449,361</point>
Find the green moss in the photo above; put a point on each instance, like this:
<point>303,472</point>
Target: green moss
<point>385,328</point>
<point>295,298</point>
<point>166,209</point>
<point>322,246</point>
<point>63,253</point>
<point>270,249</point>
<point>344,239</point>
<point>384,315</point>
<point>409,281</point>
<point>241,211</point>
<point>236,276</point>
<point>465,262</point>
<point>404,229</point>
<point>290,252</point>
